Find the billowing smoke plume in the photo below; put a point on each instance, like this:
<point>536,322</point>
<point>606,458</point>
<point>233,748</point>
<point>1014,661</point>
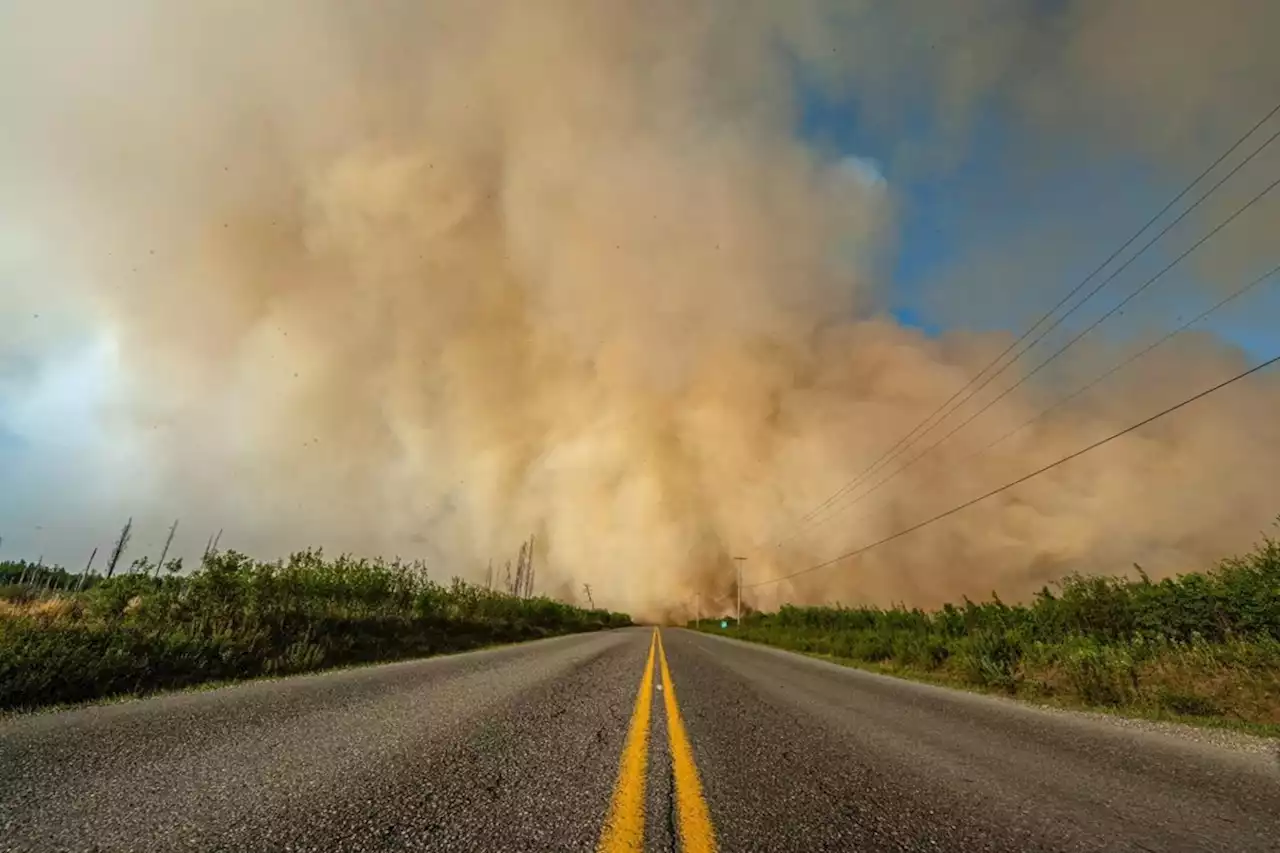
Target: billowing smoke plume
<point>400,276</point>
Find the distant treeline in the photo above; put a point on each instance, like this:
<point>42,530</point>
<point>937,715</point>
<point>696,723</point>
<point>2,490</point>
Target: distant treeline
<point>236,617</point>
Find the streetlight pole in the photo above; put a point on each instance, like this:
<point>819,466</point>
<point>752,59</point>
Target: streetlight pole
<point>739,561</point>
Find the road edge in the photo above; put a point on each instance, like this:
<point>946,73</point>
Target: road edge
<point>1220,733</point>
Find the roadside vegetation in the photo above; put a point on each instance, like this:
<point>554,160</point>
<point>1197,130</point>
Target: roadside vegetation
<point>63,641</point>
<point>1204,645</point>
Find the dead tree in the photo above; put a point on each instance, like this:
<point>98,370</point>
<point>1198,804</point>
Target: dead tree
<point>167,542</point>
<point>87,566</point>
<point>117,551</point>
<point>528,569</point>
<point>520,569</point>
<point>210,547</point>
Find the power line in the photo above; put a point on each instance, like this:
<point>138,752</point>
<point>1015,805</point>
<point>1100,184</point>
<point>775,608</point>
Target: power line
<point>1131,359</point>
<point>928,422</point>
<point>1021,479</point>
<point>850,487</point>
<point>1066,399</point>
<point>890,456</point>
<point>1053,356</point>
<point>1115,273</point>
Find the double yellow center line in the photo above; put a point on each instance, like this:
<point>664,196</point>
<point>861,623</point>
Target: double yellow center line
<point>624,828</point>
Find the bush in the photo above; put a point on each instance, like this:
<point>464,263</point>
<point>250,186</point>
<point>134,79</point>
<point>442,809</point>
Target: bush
<point>1105,640</point>
<point>238,618</point>
<point>927,651</point>
<point>16,593</point>
<point>991,658</point>
<point>1102,674</point>
<point>1188,704</point>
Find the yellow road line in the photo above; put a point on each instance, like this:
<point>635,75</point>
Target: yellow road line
<point>693,816</point>
<point>624,828</point>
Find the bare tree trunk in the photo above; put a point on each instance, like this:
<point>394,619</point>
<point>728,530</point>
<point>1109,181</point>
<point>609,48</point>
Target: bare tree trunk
<point>167,542</point>
<point>529,568</point>
<point>210,546</point>
<point>520,570</point>
<point>87,566</point>
<point>117,551</point>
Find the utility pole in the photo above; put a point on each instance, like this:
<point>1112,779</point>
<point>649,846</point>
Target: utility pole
<point>740,561</point>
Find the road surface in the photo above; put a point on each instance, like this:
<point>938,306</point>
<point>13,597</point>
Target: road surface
<point>617,741</point>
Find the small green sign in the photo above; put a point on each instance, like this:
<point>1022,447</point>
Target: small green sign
<point>724,624</point>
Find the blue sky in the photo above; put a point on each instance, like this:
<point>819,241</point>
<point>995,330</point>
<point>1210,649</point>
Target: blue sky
<point>989,208</point>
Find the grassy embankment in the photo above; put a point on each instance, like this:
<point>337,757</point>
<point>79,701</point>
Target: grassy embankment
<point>1201,647</point>
<point>238,618</point>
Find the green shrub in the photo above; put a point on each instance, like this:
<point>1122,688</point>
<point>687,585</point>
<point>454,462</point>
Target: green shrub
<point>16,593</point>
<point>991,658</point>
<point>1101,674</point>
<point>871,647</point>
<point>1090,637</point>
<point>237,618</point>
<point>1188,704</point>
<point>923,651</point>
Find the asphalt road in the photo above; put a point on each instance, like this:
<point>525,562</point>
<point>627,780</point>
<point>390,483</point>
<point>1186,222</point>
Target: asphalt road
<point>560,745</point>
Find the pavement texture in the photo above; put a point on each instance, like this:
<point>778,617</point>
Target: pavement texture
<point>519,749</point>
<point>798,754</point>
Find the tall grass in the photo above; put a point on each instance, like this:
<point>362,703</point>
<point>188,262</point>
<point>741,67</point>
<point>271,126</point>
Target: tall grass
<point>1201,644</point>
<point>237,617</point>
